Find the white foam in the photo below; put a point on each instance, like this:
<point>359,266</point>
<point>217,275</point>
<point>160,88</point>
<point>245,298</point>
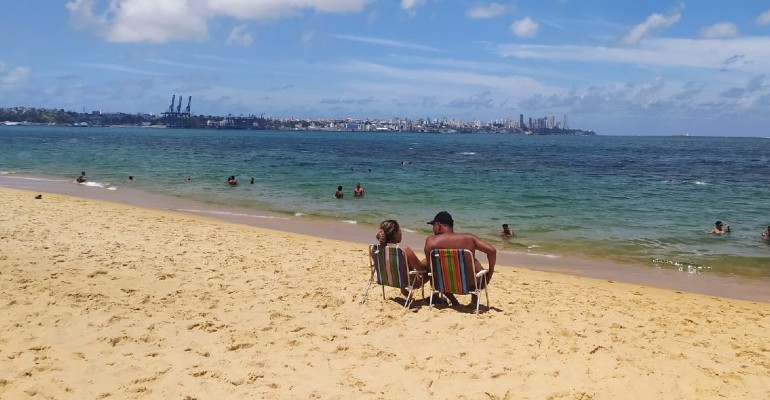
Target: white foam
<point>228,213</point>
<point>92,184</point>
<point>352,222</point>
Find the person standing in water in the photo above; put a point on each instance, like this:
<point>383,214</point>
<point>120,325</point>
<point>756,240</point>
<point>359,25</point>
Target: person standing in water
<point>719,229</point>
<point>358,191</point>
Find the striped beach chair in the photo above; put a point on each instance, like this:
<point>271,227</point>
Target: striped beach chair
<point>452,271</point>
<point>390,268</point>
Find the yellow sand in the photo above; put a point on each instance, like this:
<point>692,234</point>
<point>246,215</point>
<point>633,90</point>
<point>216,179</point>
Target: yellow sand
<point>102,300</point>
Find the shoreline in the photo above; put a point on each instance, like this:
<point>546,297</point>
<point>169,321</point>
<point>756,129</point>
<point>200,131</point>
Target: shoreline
<point>103,299</point>
<point>752,289</point>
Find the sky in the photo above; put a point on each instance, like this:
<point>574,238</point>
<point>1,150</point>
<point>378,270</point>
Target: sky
<point>620,67</point>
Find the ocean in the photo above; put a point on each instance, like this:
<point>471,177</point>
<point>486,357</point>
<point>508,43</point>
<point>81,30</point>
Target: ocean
<point>645,201</point>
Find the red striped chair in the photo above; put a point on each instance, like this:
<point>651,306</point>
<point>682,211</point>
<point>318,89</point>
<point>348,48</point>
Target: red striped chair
<point>452,271</point>
<point>390,268</point>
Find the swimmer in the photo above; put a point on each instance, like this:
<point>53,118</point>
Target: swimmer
<point>507,231</point>
<point>81,178</point>
<point>358,191</point>
<point>719,229</point>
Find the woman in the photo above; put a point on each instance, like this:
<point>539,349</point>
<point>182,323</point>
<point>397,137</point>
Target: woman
<point>390,235</point>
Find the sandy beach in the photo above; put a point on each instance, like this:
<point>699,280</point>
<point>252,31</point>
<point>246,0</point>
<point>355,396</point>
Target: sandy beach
<point>105,300</point>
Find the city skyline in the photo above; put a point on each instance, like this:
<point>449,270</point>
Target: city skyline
<point>620,68</point>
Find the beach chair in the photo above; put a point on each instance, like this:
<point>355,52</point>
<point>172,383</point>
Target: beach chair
<point>452,271</point>
<point>390,268</point>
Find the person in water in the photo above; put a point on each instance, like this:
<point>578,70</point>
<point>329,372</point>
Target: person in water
<point>232,181</point>
<point>358,191</point>
<point>719,229</point>
<point>507,231</point>
<point>339,193</point>
<point>766,233</point>
<point>81,178</point>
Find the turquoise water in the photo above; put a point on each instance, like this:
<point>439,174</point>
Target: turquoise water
<point>643,200</point>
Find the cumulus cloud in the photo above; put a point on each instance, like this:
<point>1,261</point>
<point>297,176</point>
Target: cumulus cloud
<point>764,18</point>
<point>239,36</point>
<point>720,30</point>
<point>525,27</point>
<point>653,22</point>
<point>485,12</point>
<point>10,78</point>
<point>154,21</point>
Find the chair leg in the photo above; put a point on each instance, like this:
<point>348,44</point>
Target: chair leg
<point>408,299</point>
<point>366,291</point>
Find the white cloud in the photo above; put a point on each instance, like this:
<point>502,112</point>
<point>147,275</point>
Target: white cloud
<point>156,21</point>
<point>525,27</point>
<point>407,5</point>
<point>239,36</point>
<point>720,30</point>
<point>274,9</point>
<point>652,22</point>
<point>764,18</point>
<point>485,12</point>
<point>13,77</point>
<point>705,54</point>
<point>385,42</point>
<point>117,68</point>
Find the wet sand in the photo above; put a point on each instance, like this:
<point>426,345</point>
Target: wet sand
<point>108,300</point>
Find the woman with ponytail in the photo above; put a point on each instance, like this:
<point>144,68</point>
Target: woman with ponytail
<point>390,235</point>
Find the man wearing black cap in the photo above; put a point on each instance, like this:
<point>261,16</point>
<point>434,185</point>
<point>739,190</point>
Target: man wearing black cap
<point>444,237</point>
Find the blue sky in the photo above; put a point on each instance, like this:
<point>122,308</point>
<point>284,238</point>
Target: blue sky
<point>622,67</point>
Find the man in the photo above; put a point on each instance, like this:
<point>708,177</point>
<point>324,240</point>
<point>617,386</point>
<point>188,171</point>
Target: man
<point>444,237</point>
<point>358,191</point>
<point>719,229</point>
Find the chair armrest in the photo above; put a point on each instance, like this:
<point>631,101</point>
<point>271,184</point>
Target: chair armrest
<point>482,273</point>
